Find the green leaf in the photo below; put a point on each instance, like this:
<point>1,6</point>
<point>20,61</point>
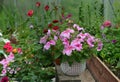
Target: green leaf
<point>105,30</point>
<point>57,55</point>
<point>118,65</point>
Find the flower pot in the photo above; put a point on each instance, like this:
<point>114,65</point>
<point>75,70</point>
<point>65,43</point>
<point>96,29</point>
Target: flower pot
<point>73,70</point>
<point>100,71</point>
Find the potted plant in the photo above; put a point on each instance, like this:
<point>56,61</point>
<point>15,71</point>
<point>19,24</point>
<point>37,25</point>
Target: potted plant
<point>71,44</point>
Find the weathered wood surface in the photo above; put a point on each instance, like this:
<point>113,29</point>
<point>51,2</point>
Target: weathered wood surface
<point>84,77</point>
<point>100,71</point>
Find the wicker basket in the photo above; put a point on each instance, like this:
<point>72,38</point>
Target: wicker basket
<point>73,70</point>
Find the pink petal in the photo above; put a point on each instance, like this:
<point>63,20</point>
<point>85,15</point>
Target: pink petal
<point>68,50</point>
<point>43,40</point>
<point>52,42</point>
<point>47,46</point>
<point>4,71</point>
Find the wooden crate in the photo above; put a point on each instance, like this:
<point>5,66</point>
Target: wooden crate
<point>100,71</point>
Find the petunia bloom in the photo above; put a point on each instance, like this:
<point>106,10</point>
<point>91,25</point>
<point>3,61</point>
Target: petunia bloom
<point>77,27</point>
<point>68,50</point>
<point>90,42</point>
<point>66,33</point>
<point>100,45</point>
<point>48,44</point>
<point>43,39</point>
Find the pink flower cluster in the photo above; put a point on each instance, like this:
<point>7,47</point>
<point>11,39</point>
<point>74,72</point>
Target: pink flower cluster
<point>5,62</point>
<point>10,58</point>
<point>73,39</point>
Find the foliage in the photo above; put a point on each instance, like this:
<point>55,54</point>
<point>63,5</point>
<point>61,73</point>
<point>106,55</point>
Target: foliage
<point>25,34</point>
<point>110,53</point>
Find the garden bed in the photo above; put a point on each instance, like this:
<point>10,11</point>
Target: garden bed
<point>100,71</point>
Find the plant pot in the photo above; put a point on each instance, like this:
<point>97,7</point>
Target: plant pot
<point>74,70</point>
<point>100,71</point>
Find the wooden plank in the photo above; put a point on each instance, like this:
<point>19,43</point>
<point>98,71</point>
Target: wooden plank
<point>100,71</point>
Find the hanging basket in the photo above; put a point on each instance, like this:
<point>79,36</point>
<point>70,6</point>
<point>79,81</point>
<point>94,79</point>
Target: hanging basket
<point>74,70</point>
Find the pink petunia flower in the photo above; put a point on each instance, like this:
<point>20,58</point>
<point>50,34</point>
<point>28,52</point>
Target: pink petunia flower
<point>78,47</point>
<point>82,36</point>
<point>47,46</point>
<point>48,32</point>
<point>43,39</point>
<point>10,57</point>
<point>4,71</point>
<point>66,33</point>
<point>55,38</point>
<point>52,42</point>
<point>90,42</point>
<point>68,50</point>
<point>4,62</point>
<point>65,42</point>
<point>100,45</point>
<point>77,27</point>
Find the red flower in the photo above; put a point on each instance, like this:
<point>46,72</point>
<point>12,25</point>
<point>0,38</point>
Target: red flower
<point>30,13</point>
<point>5,79</point>
<point>45,31</point>
<point>37,4</point>
<point>9,49</point>
<point>55,28</point>
<point>50,25</point>
<point>46,7</point>
<point>7,45</point>
<point>69,15</point>
<point>107,24</point>
<point>19,50</point>
<point>55,21</point>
